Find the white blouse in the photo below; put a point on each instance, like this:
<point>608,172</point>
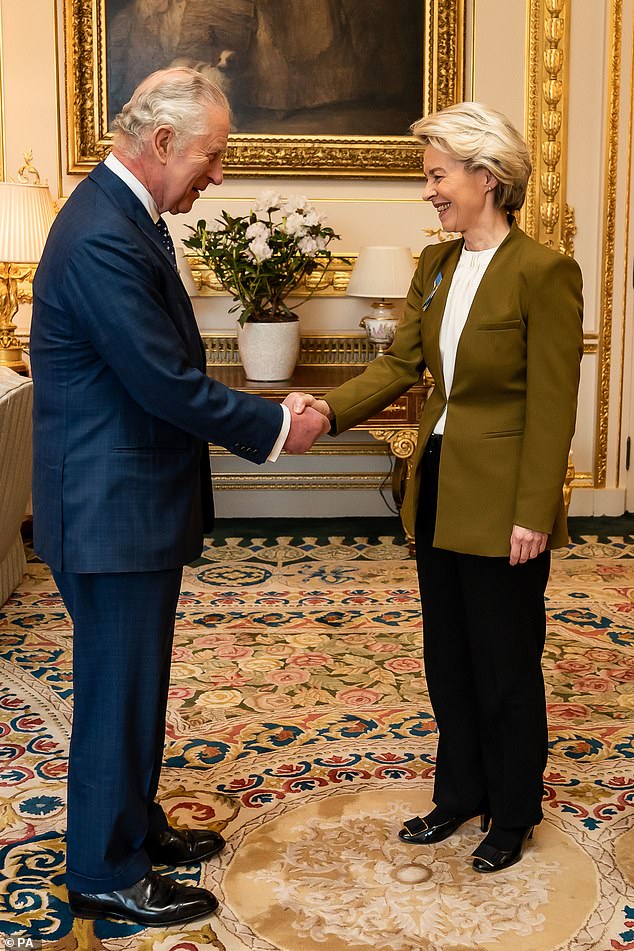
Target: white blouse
<point>466,280</point>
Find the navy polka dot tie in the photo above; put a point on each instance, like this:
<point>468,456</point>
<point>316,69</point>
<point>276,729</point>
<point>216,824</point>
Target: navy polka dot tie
<point>166,240</point>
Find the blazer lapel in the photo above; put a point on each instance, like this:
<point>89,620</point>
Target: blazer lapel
<point>133,209</point>
<point>125,199</point>
<point>434,308</point>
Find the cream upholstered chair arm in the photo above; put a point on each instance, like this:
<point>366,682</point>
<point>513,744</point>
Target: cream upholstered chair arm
<point>16,401</point>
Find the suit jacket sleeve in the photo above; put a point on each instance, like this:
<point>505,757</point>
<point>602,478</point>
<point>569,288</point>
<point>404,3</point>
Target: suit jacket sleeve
<point>389,376</point>
<point>114,293</point>
<point>554,342</point>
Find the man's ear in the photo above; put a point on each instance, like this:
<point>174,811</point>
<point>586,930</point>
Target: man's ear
<point>163,142</point>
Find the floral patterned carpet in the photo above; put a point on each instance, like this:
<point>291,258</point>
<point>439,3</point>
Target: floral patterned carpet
<point>300,727</point>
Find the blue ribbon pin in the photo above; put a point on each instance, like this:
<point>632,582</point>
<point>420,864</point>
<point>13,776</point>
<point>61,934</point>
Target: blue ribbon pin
<point>437,281</point>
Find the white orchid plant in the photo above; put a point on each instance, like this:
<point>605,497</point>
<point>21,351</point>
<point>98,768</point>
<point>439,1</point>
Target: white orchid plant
<point>260,257</point>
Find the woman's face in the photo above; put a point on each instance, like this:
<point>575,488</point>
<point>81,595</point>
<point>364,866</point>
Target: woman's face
<point>459,197</point>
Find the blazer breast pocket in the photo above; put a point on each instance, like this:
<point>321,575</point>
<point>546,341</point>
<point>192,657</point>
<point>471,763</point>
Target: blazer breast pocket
<point>503,434</point>
<point>501,325</point>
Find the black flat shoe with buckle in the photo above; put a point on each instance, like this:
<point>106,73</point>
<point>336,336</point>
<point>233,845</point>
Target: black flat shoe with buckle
<point>501,849</point>
<point>435,827</point>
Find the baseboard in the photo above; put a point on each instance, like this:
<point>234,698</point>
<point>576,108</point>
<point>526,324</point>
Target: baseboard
<point>591,502</point>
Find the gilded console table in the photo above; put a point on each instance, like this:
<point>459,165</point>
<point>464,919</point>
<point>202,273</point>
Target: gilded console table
<point>325,363</point>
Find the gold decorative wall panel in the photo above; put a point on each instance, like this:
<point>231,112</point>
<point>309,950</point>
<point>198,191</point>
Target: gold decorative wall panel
<point>547,217</point>
<point>607,256</point>
<point>626,257</point>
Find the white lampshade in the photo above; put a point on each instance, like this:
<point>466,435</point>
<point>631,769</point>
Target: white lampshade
<point>26,215</point>
<point>382,272</point>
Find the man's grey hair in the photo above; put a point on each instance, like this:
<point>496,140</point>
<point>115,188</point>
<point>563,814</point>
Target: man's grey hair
<point>177,97</point>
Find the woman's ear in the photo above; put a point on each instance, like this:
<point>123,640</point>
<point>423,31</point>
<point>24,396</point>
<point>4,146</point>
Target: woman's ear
<point>490,181</point>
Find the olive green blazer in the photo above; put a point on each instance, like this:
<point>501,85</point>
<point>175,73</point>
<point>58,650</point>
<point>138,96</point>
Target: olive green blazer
<point>511,413</point>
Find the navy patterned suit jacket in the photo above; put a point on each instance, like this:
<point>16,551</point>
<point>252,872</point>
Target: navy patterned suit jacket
<point>123,409</point>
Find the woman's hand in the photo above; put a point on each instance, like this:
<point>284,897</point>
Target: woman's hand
<point>526,544</point>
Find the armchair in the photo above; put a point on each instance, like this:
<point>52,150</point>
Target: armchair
<point>16,399</point>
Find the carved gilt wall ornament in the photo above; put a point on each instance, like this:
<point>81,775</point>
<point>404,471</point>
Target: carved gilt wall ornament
<point>330,280</point>
<point>89,67</point>
<point>546,216</point>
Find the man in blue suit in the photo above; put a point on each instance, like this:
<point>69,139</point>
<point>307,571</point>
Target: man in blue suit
<point>122,488</point>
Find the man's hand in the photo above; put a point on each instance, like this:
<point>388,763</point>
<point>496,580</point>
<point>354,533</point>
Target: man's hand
<point>306,426</point>
<point>297,403</point>
<point>526,544</point>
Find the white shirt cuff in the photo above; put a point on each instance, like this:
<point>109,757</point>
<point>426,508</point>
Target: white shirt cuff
<point>281,439</point>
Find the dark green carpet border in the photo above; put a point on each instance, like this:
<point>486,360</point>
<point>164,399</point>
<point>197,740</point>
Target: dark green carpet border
<point>604,527</point>
<point>298,528</point>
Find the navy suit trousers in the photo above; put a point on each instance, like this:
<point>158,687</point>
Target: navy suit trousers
<point>123,634</point>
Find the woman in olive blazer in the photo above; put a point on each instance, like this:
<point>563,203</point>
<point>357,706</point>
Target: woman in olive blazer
<point>496,318</point>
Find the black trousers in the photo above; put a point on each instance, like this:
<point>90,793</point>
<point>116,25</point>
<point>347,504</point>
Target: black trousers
<point>484,627</point>
<point>122,644</point>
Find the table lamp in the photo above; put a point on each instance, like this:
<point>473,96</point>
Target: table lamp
<point>26,214</point>
<point>383,274</point>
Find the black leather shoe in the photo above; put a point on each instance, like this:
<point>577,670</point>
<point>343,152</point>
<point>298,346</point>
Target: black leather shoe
<point>182,846</point>
<point>434,828</point>
<point>154,901</point>
<point>489,857</point>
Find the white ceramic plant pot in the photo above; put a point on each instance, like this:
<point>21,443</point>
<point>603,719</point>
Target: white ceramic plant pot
<point>269,352</point>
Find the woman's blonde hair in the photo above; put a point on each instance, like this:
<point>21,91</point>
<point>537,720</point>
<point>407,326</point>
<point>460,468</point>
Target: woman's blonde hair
<point>483,139</point>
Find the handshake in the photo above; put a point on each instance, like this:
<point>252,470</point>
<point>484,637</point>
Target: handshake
<point>310,419</point>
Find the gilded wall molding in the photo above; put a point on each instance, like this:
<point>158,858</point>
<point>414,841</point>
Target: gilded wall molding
<point>330,280</point>
<point>324,449</point>
<point>626,256</point>
<point>547,217</point>
<point>607,256</point>
<point>299,481</point>
<point>444,36</point>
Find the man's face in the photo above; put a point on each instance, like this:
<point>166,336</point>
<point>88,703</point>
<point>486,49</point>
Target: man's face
<point>189,171</point>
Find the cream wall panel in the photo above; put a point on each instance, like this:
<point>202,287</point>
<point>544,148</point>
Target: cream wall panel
<point>383,221</point>
<point>586,144</point>
<point>498,57</point>
<point>30,99</point>
<point>583,442</point>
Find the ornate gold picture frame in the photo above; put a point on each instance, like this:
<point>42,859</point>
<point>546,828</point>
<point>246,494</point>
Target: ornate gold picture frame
<point>87,68</point>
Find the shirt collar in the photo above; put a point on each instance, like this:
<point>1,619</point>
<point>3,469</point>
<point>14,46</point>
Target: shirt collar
<point>133,183</point>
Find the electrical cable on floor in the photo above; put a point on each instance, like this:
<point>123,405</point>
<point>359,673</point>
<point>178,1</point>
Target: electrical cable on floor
<point>388,481</point>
